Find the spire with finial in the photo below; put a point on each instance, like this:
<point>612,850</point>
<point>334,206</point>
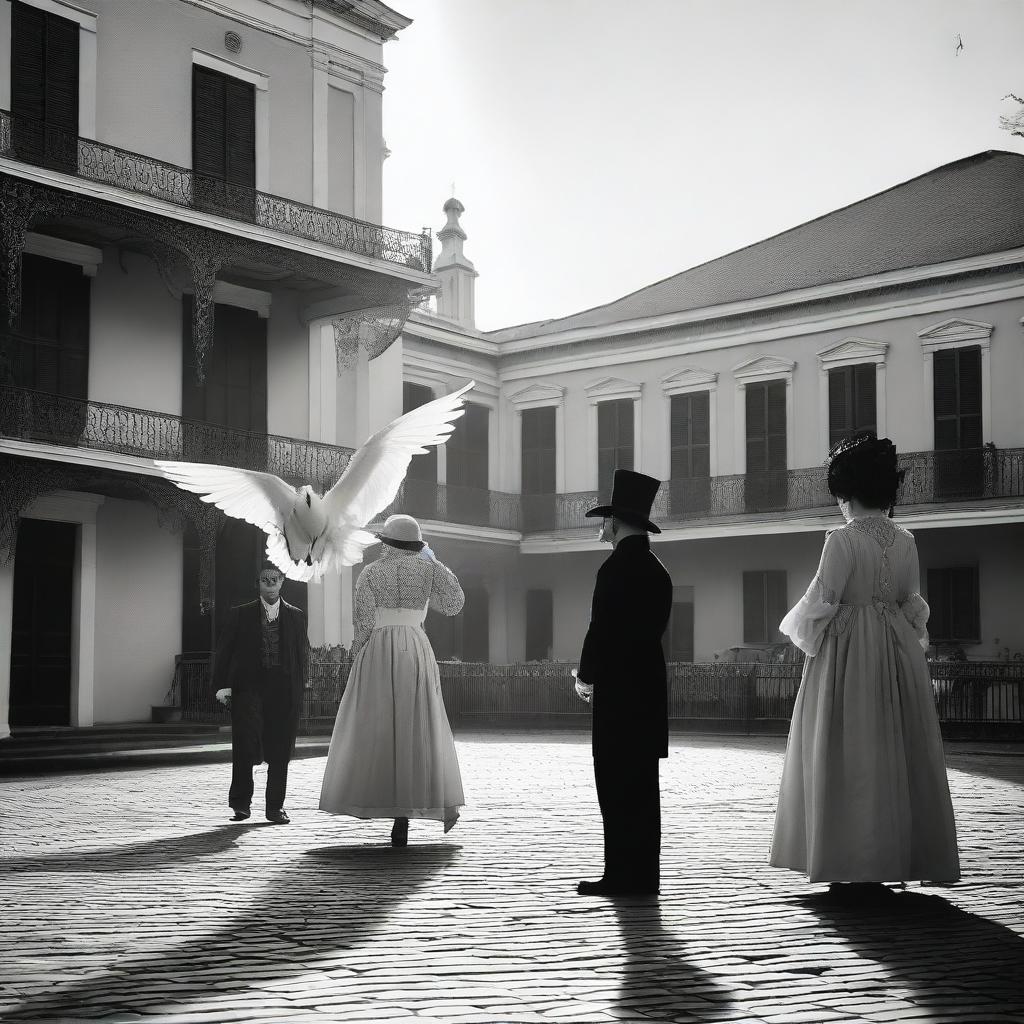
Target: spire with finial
<point>455,301</point>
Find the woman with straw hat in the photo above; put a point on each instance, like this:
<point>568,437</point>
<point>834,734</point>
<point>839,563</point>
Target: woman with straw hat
<point>392,754</point>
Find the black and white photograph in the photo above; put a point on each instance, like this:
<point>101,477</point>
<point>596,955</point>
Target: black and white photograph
<point>512,511</point>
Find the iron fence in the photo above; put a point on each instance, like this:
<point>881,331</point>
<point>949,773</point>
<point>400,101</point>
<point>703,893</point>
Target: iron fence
<point>747,697</point>
<point>448,503</point>
<point>41,144</point>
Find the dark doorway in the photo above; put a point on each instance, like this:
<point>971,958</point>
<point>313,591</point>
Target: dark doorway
<point>44,566</point>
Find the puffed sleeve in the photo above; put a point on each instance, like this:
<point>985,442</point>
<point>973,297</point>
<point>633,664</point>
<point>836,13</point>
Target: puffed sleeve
<point>807,620</point>
<point>446,594</point>
<point>365,611</point>
<point>914,607</point>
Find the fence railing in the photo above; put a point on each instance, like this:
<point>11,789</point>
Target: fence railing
<point>34,142</point>
<point>37,416</point>
<point>749,697</point>
<point>449,503</point>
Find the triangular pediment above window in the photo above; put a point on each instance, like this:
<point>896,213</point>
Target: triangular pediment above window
<point>613,387</point>
<point>764,368</point>
<point>956,331</point>
<point>688,378</point>
<point>853,350</point>
<point>538,393</point>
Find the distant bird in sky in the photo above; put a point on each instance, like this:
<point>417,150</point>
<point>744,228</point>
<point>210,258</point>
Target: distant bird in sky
<point>959,45</point>
<point>308,534</point>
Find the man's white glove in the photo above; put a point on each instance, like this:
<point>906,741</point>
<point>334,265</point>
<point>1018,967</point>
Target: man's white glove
<point>224,695</point>
<point>585,691</point>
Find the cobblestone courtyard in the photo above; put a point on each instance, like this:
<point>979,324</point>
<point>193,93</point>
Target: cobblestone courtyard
<point>128,896</point>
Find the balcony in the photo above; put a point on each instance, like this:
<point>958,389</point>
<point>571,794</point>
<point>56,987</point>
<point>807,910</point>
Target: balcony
<point>467,506</point>
<point>39,144</point>
<point>103,427</point>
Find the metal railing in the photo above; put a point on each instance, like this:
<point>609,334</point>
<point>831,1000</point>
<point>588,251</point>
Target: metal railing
<point>54,419</point>
<point>448,503</point>
<point>747,698</point>
<point>37,143</point>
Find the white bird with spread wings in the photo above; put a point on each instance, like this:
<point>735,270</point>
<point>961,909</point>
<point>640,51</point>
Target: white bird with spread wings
<point>309,535</point>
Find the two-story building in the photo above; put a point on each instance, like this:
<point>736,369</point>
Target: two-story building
<point>902,313</point>
<point>193,268</point>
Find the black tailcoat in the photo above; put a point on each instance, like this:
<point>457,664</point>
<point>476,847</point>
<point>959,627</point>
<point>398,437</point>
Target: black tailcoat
<point>623,656</point>
<point>238,664</point>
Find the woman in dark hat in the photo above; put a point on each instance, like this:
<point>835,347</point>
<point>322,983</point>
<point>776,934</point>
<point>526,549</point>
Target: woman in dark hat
<point>864,798</point>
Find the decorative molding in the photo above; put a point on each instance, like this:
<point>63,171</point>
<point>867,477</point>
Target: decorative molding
<point>244,298</point>
<point>956,333</point>
<point>87,257</point>
<point>231,68</point>
<point>84,19</point>
<point>690,378</point>
<point>606,389</point>
<point>538,395</point>
<point>764,368</point>
<point>851,351</point>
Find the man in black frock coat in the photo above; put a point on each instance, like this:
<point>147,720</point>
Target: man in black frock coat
<point>262,661</point>
<point>622,669</point>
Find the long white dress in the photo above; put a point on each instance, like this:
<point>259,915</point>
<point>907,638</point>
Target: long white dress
<point>864,795</point>
<point>392,753</point>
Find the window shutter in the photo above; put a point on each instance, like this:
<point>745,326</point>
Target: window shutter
<point>240,132</point>
<point>208,123</point>
<point>757,427</point>
<point>539,625</point>
<point>865,405</point>
<point>838,404</point>
<point>775,588</point>
<point>775,403</point>
<point>969,397</point>
<point>753,608</point>
<point>475,625</point>
<point>422,467</point>
<point>28,64</point>
<point>680,646</point>
<point>538,450</point>
<point>945,399</point>
<point>61,98</point>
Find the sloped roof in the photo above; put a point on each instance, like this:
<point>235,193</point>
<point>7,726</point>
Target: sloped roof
<point>967,208</point>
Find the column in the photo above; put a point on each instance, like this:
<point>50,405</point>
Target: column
<point>83,627</point>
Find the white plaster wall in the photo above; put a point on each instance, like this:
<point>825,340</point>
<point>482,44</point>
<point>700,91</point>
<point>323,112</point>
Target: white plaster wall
<point>138,611</point>
<point>134,336</point>
<point>341,151</point>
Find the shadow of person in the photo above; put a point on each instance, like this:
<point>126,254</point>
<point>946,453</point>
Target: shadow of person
<point>144,856</point>
<point>937,955</point>
<point>657,979</point>
<point>313,909</point>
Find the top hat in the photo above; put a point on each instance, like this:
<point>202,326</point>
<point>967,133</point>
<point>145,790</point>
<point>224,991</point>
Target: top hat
<point>402,532</point>
<point>632,497</point>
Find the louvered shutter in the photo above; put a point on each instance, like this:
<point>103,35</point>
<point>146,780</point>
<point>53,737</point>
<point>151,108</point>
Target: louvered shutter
<point>61,98</point>
<point>865,404</point>
<point>680,437</point>
<point>538,451</point>
<point>839,424</point>
<point>757,428</point>
<point>539,625</point>
<point>753,608</point>
<point>209,158</point>
<point>775,403</point>
<point>476,625</point>
<point>775,603</point>
<point>240,132</point>
<point>700,434</point>
<point>614,441</point>
<point>680,646</point>
<point>969,396</point>
<point>28,80</point>
<point>422,467</point>
<point>945,400</point>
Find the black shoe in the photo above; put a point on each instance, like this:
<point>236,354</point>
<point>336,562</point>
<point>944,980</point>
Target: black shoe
<point>400,832</point>
<point>241,813</point>
<point>278,817</point>
<point>605,888</point>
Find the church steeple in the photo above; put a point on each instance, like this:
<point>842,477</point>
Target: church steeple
<point>457,274</point>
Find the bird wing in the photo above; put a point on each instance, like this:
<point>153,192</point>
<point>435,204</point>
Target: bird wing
<point>377,469</point>
<point>262,499</point>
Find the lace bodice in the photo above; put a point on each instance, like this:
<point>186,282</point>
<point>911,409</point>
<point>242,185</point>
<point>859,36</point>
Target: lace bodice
<point>870,563</point>
<point>401,579</point>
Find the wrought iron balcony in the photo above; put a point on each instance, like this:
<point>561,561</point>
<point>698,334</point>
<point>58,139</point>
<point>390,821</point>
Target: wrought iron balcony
<point>36,143</point>
<point>101,426</point>
<point>447,503</point>
<point>931,478</point>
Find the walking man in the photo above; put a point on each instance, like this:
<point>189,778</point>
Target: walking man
<point>260,668</point>
<point>622,670</point>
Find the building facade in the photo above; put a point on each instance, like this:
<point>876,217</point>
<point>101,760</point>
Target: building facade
<point>193,268</point>
<point>902,313</point>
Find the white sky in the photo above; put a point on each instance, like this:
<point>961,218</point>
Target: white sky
<point>600,146</point>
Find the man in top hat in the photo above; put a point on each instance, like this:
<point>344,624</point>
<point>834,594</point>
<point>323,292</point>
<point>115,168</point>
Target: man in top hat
<point>622,670</point>
<point>260,669</point>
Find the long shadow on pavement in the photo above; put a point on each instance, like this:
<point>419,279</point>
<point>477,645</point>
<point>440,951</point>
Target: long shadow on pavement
<point>657,980</point>
<point>153,853</point>
<point>308,913</point>
<point>950,961</point>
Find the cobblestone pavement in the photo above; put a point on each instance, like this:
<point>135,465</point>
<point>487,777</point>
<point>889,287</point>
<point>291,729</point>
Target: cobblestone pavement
<point>127,896</point>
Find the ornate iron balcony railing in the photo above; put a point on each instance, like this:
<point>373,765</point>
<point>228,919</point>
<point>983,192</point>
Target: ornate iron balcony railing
<point>448,503</point>
<point>101,426</point>
<point>41,144</point>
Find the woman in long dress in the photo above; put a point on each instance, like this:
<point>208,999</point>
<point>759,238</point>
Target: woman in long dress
<point>392,754</point>
<point>864,797</point>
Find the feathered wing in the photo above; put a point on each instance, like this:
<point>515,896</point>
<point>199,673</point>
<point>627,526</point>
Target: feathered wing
<point>262,499</point>
<point>373,477</point>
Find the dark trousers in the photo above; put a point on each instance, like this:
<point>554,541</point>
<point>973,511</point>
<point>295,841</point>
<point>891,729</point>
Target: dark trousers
<point>629,795</point>
<point>261,731</point>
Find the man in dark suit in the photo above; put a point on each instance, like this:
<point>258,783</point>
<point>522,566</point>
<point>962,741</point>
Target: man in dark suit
<point>261,667</point>
<point>622,669</point>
